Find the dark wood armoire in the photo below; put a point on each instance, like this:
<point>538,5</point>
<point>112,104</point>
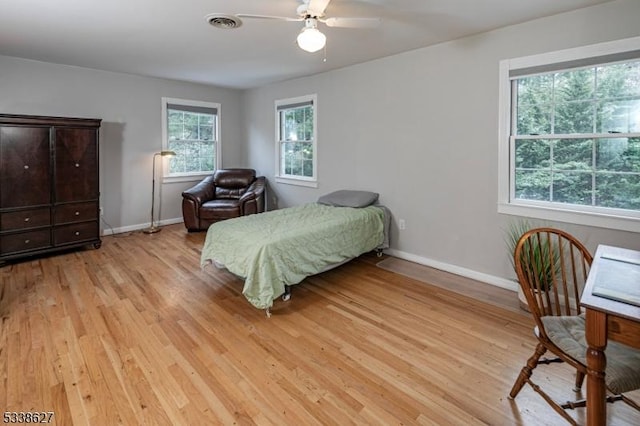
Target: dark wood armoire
<point>49,186</point>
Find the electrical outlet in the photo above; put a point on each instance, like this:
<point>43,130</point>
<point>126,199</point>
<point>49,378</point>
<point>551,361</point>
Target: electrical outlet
<point>101,211</point>
<point>402,224</point>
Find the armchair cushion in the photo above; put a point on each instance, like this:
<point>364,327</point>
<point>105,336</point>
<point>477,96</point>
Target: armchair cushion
<point>220,209</point>
<point>232,183</point>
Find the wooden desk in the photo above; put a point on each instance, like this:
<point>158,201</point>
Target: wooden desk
<point>606,319</point>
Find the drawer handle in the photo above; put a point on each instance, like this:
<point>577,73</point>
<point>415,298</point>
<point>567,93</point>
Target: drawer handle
<point>26,167</point>
<point>77,213</point>
<point>77,233</point>
<point>27,241</point>
<point>27,219</point>
<point>77,164</point>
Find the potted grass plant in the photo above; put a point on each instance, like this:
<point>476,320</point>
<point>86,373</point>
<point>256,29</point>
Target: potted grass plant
<point>543,258</point>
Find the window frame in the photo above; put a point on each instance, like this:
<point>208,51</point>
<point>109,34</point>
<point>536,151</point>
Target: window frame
<point>293,179</point>
<point>193,176</point>
<point>620,219</point>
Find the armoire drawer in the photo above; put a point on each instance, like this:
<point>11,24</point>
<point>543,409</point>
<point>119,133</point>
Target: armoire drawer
<point>76,212</point>
<point>25,241</point>
<point>24,219</point>
<point>67,234</point>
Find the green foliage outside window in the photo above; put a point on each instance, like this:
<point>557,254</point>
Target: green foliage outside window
<point>296,141</point>
<point>577,137</point>
<point>192,138</point>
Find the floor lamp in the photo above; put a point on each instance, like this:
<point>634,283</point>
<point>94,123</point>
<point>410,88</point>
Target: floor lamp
<point>153,229</point>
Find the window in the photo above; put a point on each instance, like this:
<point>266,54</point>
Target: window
<point>190,129</point>
<point>296,141</point>
<point>570,135</point>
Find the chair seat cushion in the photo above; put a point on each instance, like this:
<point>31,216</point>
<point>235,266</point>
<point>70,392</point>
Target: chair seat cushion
<point>623,362</point>
<point>218,209</point>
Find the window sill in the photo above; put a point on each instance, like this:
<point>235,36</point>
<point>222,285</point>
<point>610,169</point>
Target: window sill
<point>600,220</point>
<point>297,182</point>
<point>186,178</point>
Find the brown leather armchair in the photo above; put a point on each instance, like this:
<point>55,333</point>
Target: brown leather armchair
<point>227,193</point>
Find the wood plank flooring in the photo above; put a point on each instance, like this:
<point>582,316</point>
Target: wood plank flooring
<point>136,333</point>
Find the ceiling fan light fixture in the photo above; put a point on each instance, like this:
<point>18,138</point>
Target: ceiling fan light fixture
<point>310,38</point>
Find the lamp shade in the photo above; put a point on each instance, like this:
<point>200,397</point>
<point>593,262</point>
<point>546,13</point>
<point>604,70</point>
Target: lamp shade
<point>311,39</point>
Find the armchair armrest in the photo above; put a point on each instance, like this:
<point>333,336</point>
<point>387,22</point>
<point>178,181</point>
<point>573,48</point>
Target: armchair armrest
<point>192,200</point>
<point>252,201</point>
<point>202,192</point>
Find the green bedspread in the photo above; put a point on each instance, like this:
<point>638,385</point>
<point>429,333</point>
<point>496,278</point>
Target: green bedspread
<point>284,246</point>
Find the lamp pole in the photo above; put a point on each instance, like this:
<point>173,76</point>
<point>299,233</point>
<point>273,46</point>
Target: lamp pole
<point>152,229</point>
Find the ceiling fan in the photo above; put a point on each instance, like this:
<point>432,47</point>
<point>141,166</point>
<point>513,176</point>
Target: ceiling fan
<point>311,12</point>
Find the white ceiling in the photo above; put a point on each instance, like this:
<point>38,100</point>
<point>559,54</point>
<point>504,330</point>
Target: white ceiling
<point>172,39</point>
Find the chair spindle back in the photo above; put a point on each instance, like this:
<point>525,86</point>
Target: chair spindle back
<point>552,268</point>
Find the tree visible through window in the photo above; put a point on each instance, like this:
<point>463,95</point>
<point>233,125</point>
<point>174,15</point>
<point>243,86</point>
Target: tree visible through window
<point>296,138</point>
<point>576,136</point>
<point>192,133</point>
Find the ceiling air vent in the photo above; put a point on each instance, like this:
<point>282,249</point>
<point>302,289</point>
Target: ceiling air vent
<point>225,22</point>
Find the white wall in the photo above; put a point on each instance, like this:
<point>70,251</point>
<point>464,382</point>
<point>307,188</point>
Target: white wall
<point>130,109</point>
<point>421,128</point>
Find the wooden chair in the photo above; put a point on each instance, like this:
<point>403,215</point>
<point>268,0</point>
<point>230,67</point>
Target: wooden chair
<point>552,268</point>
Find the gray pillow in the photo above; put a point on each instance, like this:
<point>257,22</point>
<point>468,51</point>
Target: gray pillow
<point>349,198</point>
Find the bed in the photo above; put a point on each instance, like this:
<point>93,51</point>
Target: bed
<point>274,250</point>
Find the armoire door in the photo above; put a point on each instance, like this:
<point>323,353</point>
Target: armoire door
<point>25,171</point>
<point>76,164</point>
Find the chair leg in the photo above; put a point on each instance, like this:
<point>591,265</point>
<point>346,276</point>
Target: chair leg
<point>527,370</point>
<point>630,402</point>
<point>579,380</point>
<point>560,409</point>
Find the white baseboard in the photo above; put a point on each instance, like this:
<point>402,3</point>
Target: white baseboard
<point>106,230</point>
<point>458,270</point>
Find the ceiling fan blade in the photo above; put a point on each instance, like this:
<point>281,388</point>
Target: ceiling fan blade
<point>317,7</point>
<point>278,18</point>
<point>353,22</point>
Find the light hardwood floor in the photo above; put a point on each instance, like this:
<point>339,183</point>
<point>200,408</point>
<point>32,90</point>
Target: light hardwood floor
<point>136,333</point>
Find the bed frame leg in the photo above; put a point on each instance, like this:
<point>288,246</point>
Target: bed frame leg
<point>287,293</point>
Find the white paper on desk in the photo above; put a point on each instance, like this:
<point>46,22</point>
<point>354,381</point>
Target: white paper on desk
<point>618,279</point>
